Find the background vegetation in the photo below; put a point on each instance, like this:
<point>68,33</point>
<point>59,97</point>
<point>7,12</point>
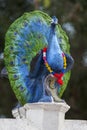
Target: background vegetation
<point>72,15</point>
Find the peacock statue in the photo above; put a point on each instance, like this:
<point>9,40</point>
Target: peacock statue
<point>37,58</point>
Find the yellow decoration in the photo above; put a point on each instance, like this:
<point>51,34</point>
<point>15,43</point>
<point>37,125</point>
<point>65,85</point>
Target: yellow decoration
<point>65,64</point>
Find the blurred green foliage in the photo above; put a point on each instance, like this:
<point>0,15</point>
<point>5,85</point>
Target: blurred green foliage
<point>72,15</point>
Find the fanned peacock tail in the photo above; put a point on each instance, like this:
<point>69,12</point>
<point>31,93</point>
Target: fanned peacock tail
<point>24,39</point>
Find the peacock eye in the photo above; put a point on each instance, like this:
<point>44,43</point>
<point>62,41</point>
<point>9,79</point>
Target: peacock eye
<point>11,63</point>
<point>11,48</point>
<point>15,76</point>
<point>21,88</point>
<point>15,33</point>
<point>25,24</point>
<point>24,59</point>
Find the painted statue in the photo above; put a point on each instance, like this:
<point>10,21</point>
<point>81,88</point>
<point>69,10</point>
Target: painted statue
<point>37,58</point>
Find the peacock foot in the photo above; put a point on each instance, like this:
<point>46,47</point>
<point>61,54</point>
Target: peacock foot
<point>57,99</point>
<point>51,89</point>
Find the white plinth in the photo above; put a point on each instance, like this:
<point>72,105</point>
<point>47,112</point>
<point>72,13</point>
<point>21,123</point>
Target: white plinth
<point>44,116</point>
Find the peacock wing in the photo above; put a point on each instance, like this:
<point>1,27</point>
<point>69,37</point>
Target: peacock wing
<point>24,39</point>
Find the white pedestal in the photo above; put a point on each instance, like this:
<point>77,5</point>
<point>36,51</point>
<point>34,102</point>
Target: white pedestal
<point>44,116</point>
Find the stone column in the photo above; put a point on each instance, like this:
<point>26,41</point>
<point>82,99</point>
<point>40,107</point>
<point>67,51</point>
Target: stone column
<point>44,116</point>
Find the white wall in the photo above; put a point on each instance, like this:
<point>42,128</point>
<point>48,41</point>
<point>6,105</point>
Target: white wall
<point>16,124</point>
<point>75,125</point>
<point>22,124</point>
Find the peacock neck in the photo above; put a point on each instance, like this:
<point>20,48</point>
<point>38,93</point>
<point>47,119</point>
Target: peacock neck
<point>54,52</point>
<point>53,46</point>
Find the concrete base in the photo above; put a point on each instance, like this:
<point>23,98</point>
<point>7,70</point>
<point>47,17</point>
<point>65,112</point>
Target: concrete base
<point>44,116</point>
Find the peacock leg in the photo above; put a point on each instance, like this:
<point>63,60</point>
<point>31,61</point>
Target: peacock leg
<point>51,89</point>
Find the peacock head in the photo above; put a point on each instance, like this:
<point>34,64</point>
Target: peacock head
<point>54,20</point>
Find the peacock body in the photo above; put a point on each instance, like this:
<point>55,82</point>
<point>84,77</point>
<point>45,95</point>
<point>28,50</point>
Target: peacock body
<point>24,41</point>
